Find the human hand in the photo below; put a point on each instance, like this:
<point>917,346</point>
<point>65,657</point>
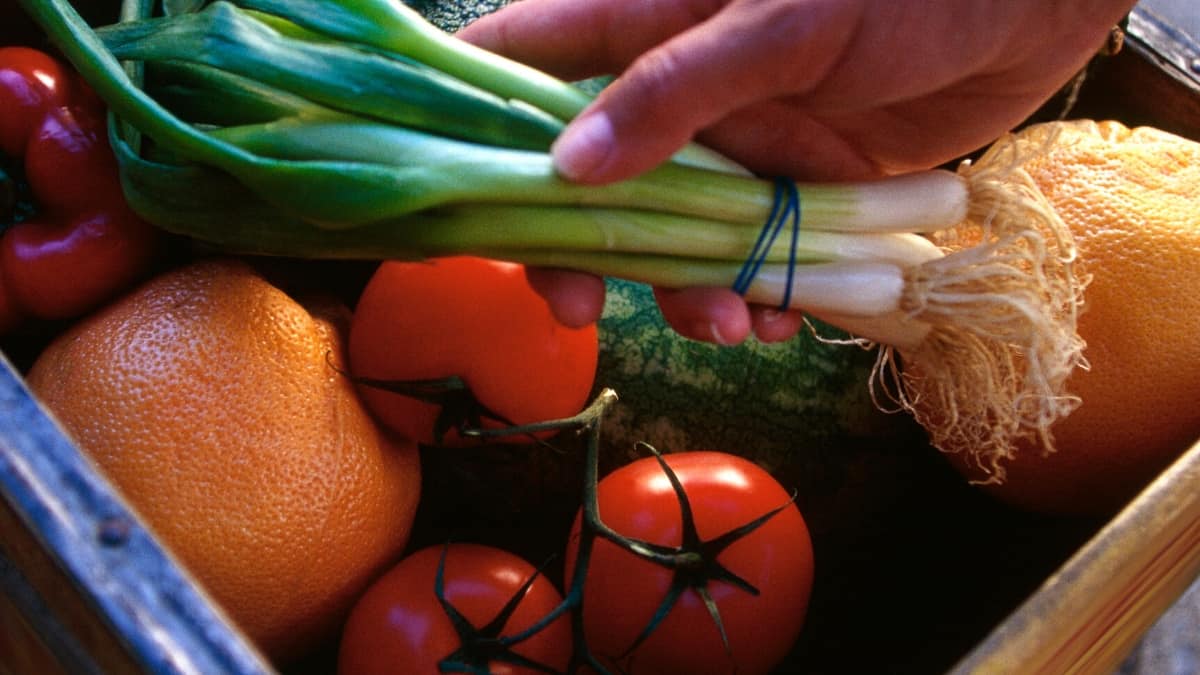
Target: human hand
<point>716,315</point>
<point>811,89</point>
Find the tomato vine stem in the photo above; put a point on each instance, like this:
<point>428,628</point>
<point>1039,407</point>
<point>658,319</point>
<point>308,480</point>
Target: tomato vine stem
<point>460,409</point>
<point>694,561</point>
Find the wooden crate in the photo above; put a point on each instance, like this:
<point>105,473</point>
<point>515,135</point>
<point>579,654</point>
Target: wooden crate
<point>87,589</point>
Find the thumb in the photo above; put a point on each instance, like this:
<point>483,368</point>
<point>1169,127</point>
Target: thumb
<point>671,92</point>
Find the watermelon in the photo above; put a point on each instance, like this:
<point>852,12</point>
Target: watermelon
<point>800,408</point>
<point>765,401</point>
<point>452,16</point>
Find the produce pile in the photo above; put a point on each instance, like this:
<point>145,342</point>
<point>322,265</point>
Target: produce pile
<point>359,130</point>
<point>298,253</point>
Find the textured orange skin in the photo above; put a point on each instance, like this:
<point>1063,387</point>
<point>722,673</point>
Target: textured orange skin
<point>208,397</point>
<point>1132,200</point>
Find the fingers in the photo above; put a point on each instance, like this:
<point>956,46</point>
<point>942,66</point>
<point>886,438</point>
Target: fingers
<point>575,298</point>
<point>692,80</point>
<point>721,316</point>
<point>690,63</point>
<point>771,324</point>
<point>777,139</point>
<point>574,39</point>
<point>715,315</point>
<point>707,314</point>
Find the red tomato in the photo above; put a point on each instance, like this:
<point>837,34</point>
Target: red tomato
<point>476,319</point>
<point>398,626</point>
<point>623,591</point>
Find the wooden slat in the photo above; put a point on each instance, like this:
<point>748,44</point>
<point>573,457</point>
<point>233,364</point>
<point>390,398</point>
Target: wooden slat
<point>54,628</point>
<point>1090,614</point>
<point>105,577</point>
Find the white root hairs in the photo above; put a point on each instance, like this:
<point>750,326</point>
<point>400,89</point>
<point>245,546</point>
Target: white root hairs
<point>1003,304</point>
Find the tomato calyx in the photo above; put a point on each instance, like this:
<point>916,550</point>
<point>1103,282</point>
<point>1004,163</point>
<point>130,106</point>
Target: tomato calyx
<point>459,409</point>
<point>694,560</point>
<point>480,646</point>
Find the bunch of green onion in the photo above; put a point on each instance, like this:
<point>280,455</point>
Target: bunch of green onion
<point>355,129</point>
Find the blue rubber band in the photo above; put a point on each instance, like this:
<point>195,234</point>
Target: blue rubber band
<point>762,245</point>
<point>784,207</point>
<point>793,206</point>
<point>753,262</point>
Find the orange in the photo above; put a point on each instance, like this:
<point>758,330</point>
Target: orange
<point>1131,198</point>
<point>214,402</point>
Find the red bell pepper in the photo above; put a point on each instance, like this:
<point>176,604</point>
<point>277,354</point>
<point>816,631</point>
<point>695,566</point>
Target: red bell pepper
<point>69,239</point>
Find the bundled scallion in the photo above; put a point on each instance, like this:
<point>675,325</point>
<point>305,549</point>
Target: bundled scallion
<point>355,129</point>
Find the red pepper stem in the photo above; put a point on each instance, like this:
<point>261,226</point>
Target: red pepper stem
<point>16,204</point>
<point>8,199</point>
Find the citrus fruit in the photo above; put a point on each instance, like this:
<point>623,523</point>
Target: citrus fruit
<point>1129,197</point>
<point>216,403</point>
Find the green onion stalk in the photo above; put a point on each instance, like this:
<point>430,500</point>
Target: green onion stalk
<point>356,129</point>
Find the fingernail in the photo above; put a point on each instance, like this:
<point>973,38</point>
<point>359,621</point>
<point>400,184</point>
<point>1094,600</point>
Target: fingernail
<point>583,146</point>
<point>770,315</point>
<point>714,331</point>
